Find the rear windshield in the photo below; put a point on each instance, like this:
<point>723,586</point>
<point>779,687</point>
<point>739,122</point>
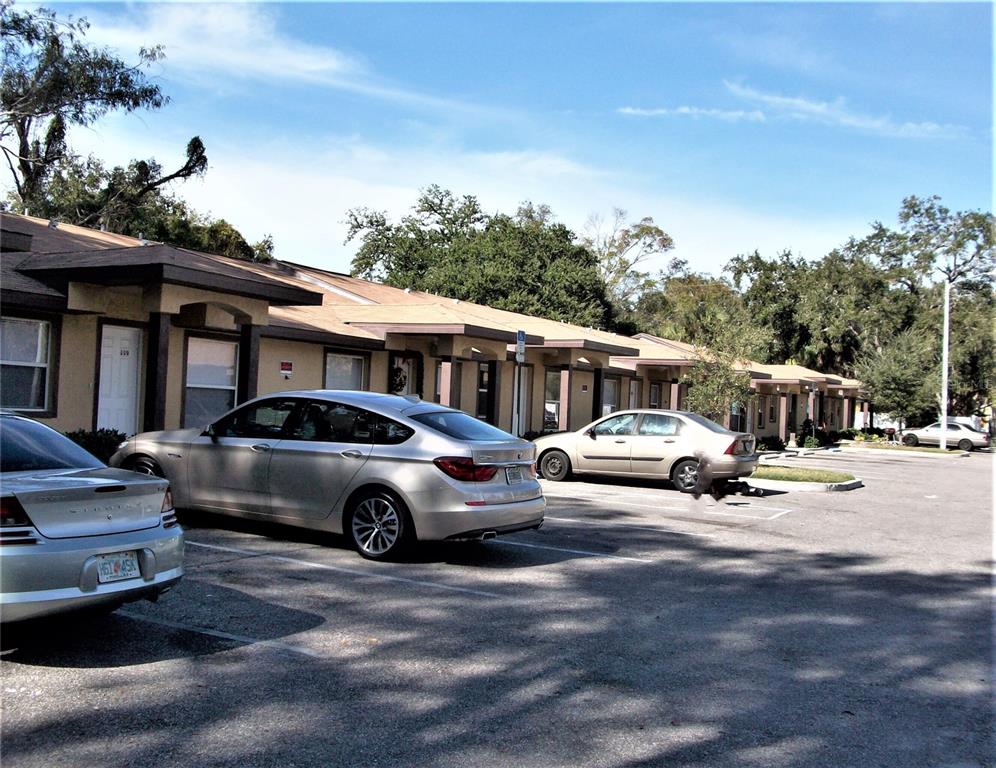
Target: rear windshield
<point>461,426</point>
<point>707,423</point>
<point>28,446</point>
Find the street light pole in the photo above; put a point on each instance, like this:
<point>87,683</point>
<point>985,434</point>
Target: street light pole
<point>944,364</point>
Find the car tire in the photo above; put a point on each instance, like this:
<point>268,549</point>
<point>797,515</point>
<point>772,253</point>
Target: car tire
<point>965,445</point>
<point>379,526</point>
<point>555,465</point>
<point>910,440</point>
<point>145,465</point>
<point>685,475</point>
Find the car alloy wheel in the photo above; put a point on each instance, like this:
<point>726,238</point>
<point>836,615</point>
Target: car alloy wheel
<point>378,526</point>
<point>145,465</point>
<point>555,465</point>
<point>910,440</point>
<point>685,475</point>
<point>965,445</point>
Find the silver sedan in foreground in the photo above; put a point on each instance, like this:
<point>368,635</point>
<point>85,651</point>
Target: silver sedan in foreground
<point>650,443</point>
<point>74,533</point>
<point>384,470</point>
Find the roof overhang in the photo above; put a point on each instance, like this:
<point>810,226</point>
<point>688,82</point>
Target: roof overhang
<point>440,329</point>
<point>587,344</point>
<point>61,269</point>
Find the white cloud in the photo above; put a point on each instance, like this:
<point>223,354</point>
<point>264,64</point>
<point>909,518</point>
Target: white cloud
<point>837,114</point>
<point>726,115</point>
<point>207,44</point>
<point>301,195</point>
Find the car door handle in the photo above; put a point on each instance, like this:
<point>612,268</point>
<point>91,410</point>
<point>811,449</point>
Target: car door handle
<point>667,441</point>
<point>352,454</point>
<point>259,448</point>
<point>620,441</point>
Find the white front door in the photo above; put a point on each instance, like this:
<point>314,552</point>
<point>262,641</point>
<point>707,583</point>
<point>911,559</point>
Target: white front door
<point>120,363</point>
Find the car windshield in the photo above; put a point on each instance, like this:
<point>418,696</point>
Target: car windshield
<point>707,423</point>
<point>461,426</point>
<point>30,446</point>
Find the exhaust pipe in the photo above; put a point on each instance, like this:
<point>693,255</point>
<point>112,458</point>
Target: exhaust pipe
<point>487,535</point>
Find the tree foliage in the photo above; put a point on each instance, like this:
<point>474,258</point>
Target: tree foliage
<point>847,310</point>
<point>620,248</point>
<point>52,80</point>
<point>896,377</point>
<point>447,245</point>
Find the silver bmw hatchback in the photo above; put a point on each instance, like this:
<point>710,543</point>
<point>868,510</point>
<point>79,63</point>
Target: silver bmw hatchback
<point>75,533</point>
<point>384,470</point>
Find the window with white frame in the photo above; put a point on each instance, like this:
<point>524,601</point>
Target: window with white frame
<point>345,371</point>
<point>212,378</point>
<point>24,361</point>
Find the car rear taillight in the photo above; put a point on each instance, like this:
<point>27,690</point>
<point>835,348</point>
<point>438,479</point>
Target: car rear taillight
<point>732,449</point>
<point>12,514</point>
<point>463,468</point>
<point>168,512</point>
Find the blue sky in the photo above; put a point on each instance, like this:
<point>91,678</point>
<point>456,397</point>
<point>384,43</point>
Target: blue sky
<point>735,126</point>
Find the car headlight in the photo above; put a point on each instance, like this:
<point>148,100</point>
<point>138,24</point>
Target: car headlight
<point>122,445</point>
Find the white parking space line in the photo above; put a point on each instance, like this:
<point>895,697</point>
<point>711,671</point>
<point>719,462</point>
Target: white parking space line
<point>275,645</point>
<point>751,517</point>
<point>654,529</point>
<point>508,543</point>
<point>350,571</point>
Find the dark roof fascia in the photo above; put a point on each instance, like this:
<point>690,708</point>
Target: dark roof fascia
<point>44,301</point>
<point>286,333</point>
<point>595,346</point>
<point>274,292</point>
<point>436,329</point>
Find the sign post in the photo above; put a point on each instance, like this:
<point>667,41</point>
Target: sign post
<point>520,358</point>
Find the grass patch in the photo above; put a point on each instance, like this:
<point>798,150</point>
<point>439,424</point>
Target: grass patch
<point>800,475</point>
<point>891,447</point>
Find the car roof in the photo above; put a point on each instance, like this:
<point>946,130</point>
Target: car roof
<point>375,400</point>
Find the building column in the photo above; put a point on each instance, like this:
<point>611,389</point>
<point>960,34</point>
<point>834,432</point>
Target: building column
<point>846,418</point>
<point>811,407</point>
<point>783,417</point>
<point>864,415</point>
<point>596,392</point>
<point>248,376</point>
<point>675,402</point>
<point>445,382</point>
<point>565,398</point>
<point>156,364</point>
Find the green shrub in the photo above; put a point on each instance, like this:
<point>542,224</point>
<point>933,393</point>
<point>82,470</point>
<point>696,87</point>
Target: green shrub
<point>102,443</point>
<point>810,442</point>
<point>770,443</point>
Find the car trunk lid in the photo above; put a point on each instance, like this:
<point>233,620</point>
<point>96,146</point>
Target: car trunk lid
<point>515,479</point>
<point>91,502</point>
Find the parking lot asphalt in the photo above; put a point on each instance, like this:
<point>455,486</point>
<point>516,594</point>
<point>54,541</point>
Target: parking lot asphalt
<point>637,628</point>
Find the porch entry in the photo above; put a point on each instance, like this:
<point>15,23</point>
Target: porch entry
<point>120,370</point>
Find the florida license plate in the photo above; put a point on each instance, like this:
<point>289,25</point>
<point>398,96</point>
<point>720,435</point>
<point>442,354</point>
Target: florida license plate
<point>513,475</point>
<point>117,567</point>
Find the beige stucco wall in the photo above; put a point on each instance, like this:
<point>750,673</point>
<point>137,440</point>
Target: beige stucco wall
<point>77,372</point>
<point>580,409</point>
<point>308,360</point>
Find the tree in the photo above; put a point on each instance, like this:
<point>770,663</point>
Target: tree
<point>447,245</point>
<point>52,81</point>
<point>893,378</point>
<point>717,379</point>
<point>620,248</point>
<point>696,309</point>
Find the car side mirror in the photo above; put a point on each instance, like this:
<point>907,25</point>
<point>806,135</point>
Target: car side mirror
<point>209,432</point>
<point>591,434</point>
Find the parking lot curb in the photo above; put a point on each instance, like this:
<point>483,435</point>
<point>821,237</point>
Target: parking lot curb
<point>920,454</point>
<point>790,485</point>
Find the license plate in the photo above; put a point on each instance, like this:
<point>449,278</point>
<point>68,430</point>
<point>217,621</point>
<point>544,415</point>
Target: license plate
<point>117,567</point>
<point>513,475</point>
